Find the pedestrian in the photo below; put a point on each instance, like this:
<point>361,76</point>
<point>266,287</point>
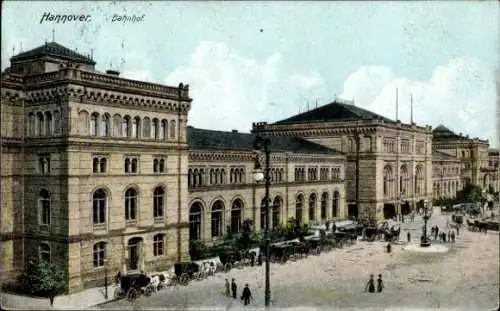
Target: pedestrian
<point>370,286</point>
<point>444,237</point>
<point>458,230</point>
<point>408,235</point>
<point>452,236</point>
<point>380,284</point>
<point>246,295</point>
<point>228,288</point>
<point>118,277</point>
<point>234,288</point>
<point>449,235</point>
<point>388,247</point>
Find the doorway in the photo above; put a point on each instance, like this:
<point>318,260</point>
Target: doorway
<point>134,253</point>
<point>389,211</point>
<point>352,211</point>
<point>405,208</point>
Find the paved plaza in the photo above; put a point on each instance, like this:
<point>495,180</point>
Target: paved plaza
<point>464,278</point>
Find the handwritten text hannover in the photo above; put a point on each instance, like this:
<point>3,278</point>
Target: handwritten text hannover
<point>63,18</point>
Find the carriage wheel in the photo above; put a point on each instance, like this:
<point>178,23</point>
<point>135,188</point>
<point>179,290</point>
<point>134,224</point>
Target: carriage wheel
<point>132,294</point>
<point>118,292</point>
<point>148,290</point>
<point>184,280</point>
<point>201,275</point>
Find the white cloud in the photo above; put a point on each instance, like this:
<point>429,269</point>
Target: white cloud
<point>460,94</point>
<point>230,91</point>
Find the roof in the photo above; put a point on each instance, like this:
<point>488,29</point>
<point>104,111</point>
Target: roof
<point>201,139</point>
<point>443,156</point>
<point>53,49</point>
<point>335,111</point>
<point>442,129</point>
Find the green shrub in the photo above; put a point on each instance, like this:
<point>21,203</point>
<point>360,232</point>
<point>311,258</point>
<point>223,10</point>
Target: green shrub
<point>44,279</point>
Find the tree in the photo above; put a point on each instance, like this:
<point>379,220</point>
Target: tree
<point>470,193</point>
<point>44,279</point>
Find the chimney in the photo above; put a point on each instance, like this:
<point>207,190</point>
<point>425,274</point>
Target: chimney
<point>112,72</point>
<point>234,131</point>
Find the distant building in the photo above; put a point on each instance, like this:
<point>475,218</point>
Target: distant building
<point>394,159</point>
<point>446,176</point>
<point>477,160</point>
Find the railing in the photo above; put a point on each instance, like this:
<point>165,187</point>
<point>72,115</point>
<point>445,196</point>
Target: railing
<point>95,77</point>
<point>75,74</point>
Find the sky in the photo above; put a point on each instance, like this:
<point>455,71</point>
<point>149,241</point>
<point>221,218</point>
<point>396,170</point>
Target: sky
<point>266,61</point>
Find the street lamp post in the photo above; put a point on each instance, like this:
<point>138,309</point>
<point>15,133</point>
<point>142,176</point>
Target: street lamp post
<point>425,241</point>
<point>264,144</point>
<point>106,279</point>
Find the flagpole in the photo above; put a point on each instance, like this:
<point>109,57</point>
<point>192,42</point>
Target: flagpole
<point>397,105</point>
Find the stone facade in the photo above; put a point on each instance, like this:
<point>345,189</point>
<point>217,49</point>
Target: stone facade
<point>446,180</point>
<point>477,160</point>
<point>394,159</point>
<point>225,181</point>
<point>99,171</point>
<point>94,166</point>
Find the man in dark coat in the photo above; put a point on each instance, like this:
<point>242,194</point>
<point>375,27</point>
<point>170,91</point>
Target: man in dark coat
<point>234,288</point>
<point>246,295</point>
<point>370,286</point>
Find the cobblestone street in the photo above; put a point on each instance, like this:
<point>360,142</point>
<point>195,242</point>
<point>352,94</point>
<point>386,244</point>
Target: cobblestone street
<point>465,278</point>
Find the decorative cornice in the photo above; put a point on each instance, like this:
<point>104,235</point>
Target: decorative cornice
<point>335,128</point>
<point>230,156</point>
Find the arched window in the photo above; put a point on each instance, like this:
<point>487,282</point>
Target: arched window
<point>158,203</point>
<point>217,218</point>
<point>299,205</point>
<point>48,123</point>
<point>104,125</point>
<point>135,127</point>
<point>324,203</point>
<point>126,126</point>
<point>388,179</point>
<point>264,213</point>
<point>31,124</point>
<point>99,207</point>
<point>403,180</point>
<point>419,179</point>
<point>195,221</point>
<point>103,164</point>
<point>231,174</point>
<point>45,252</point>
<point>159,245</point>
<point>236,215</point>
<point>312,207</point>
<point>154,129</point>
<point>95,165</point>
<point>44,207</point>
<point>117,125</point>
<point>127,165</point>
<point>94,124</point>
<point>172,129</point>
<point>335,204</point>
<point>277,204</point>
<point>146,128</point>
<point>156,166</point>
<point>39,124</point>
<point>130,204</point>
<point>223,176</point>
<point>134,165</point>
<point>99,254</point>
<point>163,129</point>
<point>162,165</point>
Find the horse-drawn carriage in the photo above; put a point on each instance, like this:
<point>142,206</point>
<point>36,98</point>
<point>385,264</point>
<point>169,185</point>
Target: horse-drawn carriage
<point>370,233</point>
<point>235,258</point>
<point>184,272</point>
<point>315,244</point>
<point>132,286</point>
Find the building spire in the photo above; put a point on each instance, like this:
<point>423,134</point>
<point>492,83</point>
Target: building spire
<point>411,108</point>
<point>397,104</point>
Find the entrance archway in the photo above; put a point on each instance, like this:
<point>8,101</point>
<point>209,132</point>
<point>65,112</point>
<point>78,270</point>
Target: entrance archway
<point>134,253</point>
<point>405,208</point>
<point>352,211</point>
<point>389,211</point>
